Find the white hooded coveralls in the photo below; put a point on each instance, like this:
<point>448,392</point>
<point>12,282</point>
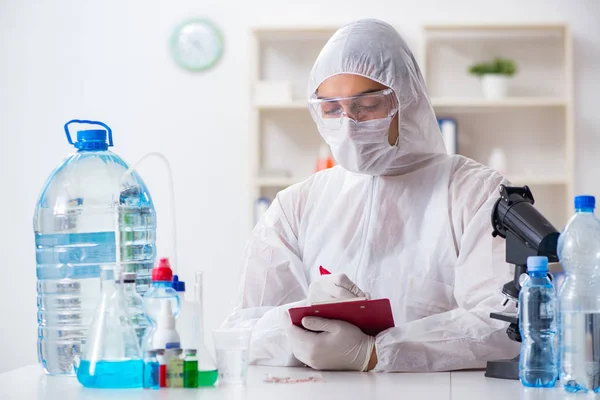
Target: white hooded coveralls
<point>420,234</point>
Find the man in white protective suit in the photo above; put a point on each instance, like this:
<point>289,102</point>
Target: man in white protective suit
<point>398,218</point>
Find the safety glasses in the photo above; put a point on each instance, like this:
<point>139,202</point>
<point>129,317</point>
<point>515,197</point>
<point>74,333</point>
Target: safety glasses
<point>329,112</point>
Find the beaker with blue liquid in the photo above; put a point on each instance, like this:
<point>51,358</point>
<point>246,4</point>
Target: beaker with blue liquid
<point>111,358</point>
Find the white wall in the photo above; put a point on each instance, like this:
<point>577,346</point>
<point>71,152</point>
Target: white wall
<point>109,60</point>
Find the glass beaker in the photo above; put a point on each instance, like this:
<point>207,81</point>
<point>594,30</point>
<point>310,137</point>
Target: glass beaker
<point>233,354</point>
<point>111,358</point>
<point>207,369</point>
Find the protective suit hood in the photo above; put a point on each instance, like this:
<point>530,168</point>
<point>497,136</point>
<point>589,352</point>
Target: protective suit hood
<point>374,49</point>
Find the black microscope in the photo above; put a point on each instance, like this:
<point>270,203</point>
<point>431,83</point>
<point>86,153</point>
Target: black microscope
<point>527,233</point>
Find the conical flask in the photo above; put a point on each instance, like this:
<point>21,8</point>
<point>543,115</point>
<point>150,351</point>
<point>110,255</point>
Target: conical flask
<point>111,357</point>
<point>207,368</point>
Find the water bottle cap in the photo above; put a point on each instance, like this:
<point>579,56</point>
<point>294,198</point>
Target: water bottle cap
<point>178,285</point>
<point>537,264</point>
<point>162,271</point>
<point>582,202</point>
<point>91,139</point>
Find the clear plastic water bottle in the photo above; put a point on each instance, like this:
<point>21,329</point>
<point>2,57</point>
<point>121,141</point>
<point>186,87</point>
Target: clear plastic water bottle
<point>579,300</point>
<point>538,362</point>
<point>75,224</point>
<point>161,290</point>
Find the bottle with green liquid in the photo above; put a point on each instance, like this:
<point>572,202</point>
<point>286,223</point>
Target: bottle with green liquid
<point>190,369</point>
<point>207,369</point>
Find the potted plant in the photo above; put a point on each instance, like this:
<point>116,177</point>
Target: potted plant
<point>494,76</point>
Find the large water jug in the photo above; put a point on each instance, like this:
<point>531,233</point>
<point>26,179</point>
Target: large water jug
<point>89,209</point>
<point>579,300</point>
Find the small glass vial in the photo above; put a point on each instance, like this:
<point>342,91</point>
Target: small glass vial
<point>190,369</point>
<point>162,370</point>
<point>151,370</point>
<point>174,368</point>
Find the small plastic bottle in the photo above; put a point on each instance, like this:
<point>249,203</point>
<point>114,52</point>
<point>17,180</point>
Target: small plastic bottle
<point>174,368</point>
<point>159,291</point>
<point>151,370</point>
<point>190,369</point>
<point>538,362</point>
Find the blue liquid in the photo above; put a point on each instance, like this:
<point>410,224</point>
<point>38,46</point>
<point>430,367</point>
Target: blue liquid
<point>112,374</point>
<point>151,375</point>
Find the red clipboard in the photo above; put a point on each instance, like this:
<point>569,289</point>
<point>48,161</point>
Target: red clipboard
<point>371,316</point>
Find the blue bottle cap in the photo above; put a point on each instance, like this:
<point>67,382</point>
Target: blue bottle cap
<point>537,264</point>
<point>178,285</point>
<point>582,202</point>
<point>91,139</point>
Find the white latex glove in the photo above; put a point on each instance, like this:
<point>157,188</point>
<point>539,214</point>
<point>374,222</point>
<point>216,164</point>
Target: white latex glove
<point>333,287</point>
<point>339,345</point>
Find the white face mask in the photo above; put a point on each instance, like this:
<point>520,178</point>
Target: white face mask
<point>361,146</point>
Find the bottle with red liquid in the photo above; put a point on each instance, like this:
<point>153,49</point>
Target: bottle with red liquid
<point>162,368</point>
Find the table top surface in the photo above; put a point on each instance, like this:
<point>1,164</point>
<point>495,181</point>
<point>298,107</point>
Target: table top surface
<point>31,383</point>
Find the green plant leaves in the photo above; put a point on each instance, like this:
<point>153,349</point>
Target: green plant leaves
<point>501,66</point>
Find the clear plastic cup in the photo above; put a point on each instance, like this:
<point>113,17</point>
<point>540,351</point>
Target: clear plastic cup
<point>233,354</point>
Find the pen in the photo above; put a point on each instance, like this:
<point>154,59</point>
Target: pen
<point>323,271</point>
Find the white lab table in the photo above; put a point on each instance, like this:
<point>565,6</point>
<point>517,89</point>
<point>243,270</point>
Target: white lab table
<point>30,383</point>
